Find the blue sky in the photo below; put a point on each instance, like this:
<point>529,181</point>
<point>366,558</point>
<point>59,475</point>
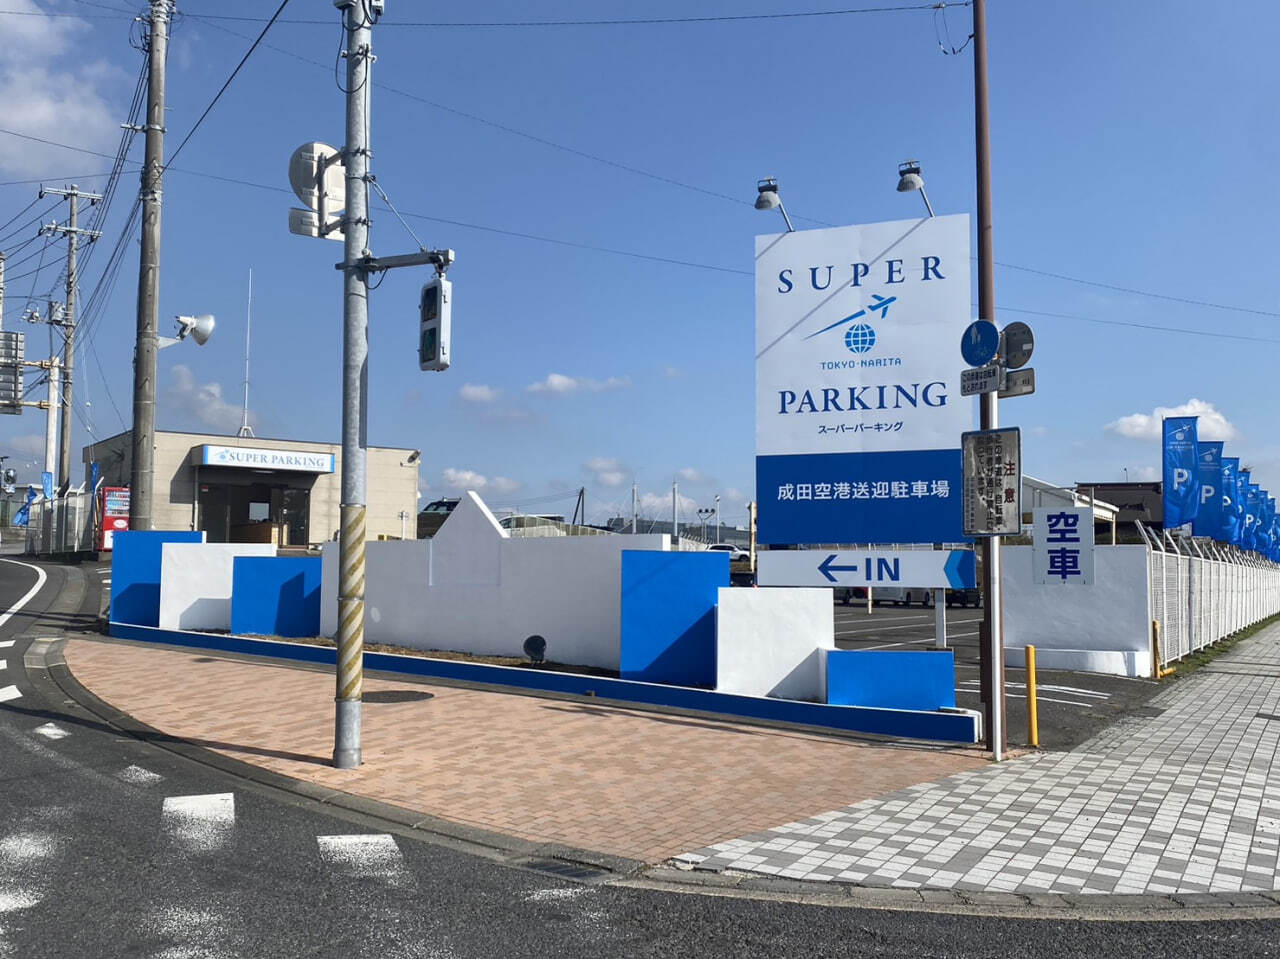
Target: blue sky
<point>603,318</point>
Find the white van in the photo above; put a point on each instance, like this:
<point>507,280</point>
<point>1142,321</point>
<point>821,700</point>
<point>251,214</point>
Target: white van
<point>902,595</point>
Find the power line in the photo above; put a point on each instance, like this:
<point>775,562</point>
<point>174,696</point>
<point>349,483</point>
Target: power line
<point>1215,334</point>
<point>622,22</point>
<point>1137,292</point>
<point>223,89</point>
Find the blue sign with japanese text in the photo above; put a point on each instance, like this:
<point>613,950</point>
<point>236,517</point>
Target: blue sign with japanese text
<point>858,404</point>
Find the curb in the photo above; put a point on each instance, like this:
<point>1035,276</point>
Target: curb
<point>589,867</point>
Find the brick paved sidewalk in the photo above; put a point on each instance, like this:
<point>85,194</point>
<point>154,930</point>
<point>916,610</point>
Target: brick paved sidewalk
<point>630,783</point>
<point>1185,801</point>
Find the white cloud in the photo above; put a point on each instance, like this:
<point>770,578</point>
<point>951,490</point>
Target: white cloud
<point>478,393</point>
<point>201,403</point>
<point>471,480</point>
<point>32,444</point>
<point>732,495</point>
<point>1146,426</point>
<point>1144,474</point>
<point>50,90</point>
<point>559,383</point>
<point>658,506</point>
<point>606,471</point>
<point>690,475</point>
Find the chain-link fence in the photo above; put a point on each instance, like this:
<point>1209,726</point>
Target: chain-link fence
<point>1203,591</point>
<point>64,524</point>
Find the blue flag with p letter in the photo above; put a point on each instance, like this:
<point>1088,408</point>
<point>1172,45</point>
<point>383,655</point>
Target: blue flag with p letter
<point>1208,521</point>
<point>1230,503</point>
<point>1181,472</point>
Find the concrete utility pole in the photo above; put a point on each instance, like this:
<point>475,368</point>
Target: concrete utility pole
<point>675,513</point>
<point>633,500</point>
<point>355,379</point>
<point>991,646</point>
<point>68,324</point>
<point>144,358</point>
<point>1,290</point>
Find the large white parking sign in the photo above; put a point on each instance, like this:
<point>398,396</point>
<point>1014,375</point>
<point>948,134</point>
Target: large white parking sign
<point>858,405</point>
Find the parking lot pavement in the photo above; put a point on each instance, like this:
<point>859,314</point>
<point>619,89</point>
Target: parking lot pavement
<point>1071,706</point>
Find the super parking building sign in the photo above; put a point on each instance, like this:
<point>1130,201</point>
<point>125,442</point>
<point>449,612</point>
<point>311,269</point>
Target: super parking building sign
<point>858,406</point>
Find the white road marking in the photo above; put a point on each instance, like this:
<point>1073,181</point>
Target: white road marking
<point>51,731</point>
<point>13,901</point>
<point>40,578</point>
<point>139,776</point>
<point>1039,698</point>
<point>9,692</point>
<point>4,664</point>
<point>201,823</point>
<point>19,849</point>
<point>6,644</point>
<point>916,642</point>
<point>545,895</point>
<point>363,855</point>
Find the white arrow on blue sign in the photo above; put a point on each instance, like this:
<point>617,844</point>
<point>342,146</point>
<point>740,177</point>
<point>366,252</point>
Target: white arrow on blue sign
<point>932,568</point>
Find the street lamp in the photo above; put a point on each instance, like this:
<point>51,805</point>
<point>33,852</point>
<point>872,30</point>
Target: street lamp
<point>909,179</point>
<point>767,199</point>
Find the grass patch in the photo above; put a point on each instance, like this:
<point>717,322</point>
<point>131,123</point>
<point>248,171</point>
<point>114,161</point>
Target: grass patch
<point>1201,657</point>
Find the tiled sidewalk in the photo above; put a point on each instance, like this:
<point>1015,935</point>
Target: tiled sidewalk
<point>637,784</point>
<point>1185,801</point>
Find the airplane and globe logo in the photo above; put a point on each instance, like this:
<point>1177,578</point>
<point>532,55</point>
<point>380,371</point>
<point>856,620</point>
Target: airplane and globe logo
<point>860,337</point>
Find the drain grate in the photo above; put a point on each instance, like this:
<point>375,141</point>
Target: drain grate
<point>577,871</point>
<point>397,696</point>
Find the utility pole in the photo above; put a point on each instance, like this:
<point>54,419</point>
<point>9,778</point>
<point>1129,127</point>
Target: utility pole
<point>68,324</point>
<point>675,513</point>
<point>355,378</point>
<point>1,290</point>
<point>991,645</point>
<point>51,419</point>
<point>633,508</point>
<point>142,474</point>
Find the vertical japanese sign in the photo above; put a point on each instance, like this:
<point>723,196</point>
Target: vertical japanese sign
<point>858,407</point>
<point>1181,471</point>
<point>992,482</point>
<point>1062,546</point>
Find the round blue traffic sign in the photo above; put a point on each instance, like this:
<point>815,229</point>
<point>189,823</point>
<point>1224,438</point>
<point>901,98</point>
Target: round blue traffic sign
<point>980,343</point>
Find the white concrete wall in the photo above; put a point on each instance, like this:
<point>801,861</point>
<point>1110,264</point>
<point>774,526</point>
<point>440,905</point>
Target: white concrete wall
<point>768,642</point>
<point>195,582</point>
<point>471,588</point>
<point>1103,628</point>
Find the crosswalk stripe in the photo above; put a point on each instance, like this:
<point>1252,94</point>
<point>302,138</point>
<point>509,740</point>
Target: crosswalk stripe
<point>363,855</point>
<point>201,823</point>
<point>139,776</point>
<point>51,731</point>
<point>8,693</point>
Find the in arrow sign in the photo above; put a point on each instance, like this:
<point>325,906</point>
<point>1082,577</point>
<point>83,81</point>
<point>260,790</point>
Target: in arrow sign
<point>826,569</point>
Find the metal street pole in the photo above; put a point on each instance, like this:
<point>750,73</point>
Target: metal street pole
<point>142,471</point>
<point>355,373</point>
<point>992,631</point>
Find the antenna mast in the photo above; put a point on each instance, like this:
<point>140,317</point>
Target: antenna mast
<point>245,428</point>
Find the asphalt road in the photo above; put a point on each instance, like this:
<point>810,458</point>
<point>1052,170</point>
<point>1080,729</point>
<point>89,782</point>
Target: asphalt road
<point>114,846</point>
<point>1071,707</point>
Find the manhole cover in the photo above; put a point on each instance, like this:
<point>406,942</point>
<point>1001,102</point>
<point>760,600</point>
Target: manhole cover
<point>566,870</point>
<point>397,696</point>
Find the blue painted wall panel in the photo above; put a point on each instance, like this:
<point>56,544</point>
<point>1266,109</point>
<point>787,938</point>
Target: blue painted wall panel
<point>943,727</point>
<point>669,616</point>
<point>135,574</point>
<point>275,595</point>
<point>891,679</point>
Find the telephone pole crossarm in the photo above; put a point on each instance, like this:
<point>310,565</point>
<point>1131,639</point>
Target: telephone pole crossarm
<point>440,259</point>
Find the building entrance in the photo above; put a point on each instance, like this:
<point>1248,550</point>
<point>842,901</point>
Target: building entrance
<point>275,511</point>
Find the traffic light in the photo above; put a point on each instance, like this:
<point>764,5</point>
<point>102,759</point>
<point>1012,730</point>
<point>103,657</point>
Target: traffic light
<point>435,309</point>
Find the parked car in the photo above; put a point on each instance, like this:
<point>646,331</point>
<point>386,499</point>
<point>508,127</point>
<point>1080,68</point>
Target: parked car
<point>964,597</point>
<point>903,595</point>
<point>736,553</point>
<point>850,594</point>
